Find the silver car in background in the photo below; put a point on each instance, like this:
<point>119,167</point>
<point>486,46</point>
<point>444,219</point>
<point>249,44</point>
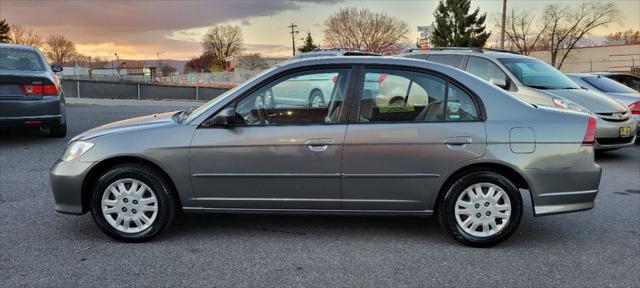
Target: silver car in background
<point>539,83</point>
<point>453,146</point>
<point>613,89</point>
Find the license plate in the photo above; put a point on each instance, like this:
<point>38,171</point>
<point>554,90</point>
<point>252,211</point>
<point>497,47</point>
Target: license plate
<point>625,131</point>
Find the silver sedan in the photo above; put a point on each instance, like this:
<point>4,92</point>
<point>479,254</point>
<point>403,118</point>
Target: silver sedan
<point>431,140</point>
<point>625,95</point>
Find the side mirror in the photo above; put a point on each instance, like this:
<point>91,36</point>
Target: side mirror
<point>499,82</point>
<point>56,68</point>
<point>224,118</point>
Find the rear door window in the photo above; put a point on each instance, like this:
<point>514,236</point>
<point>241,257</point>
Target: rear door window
<point>451,60</point>
<point>406,96</point>
<point>20,60</point>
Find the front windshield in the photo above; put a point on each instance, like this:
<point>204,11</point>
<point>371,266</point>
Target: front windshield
<point>537,74</point>
<point>204,107</point>
<point>607,85</point>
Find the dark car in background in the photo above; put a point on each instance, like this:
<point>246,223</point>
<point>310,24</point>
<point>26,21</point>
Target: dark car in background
<point>613,89</point>
<point>625,79</point>
<point>30,93</point>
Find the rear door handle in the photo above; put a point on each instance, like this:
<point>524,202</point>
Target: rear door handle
<point>318,144</point>
<point>458,141</point>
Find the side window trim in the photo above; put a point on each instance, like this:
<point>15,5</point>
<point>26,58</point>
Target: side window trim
<point>357,94</point>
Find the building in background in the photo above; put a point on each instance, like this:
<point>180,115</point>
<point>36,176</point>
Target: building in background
<point>614,58</point>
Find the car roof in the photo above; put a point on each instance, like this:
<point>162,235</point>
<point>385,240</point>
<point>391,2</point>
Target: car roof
<point>371,60</point>
<point>467,51</point>
<point>16,46</point>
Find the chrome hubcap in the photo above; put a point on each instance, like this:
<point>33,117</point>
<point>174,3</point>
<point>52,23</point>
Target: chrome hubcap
<point>129,205</point>
<point>483,209</point>
<point>316,101</point>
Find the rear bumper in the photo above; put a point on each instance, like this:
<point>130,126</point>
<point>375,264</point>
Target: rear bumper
<point>30,121</point>
<point>566,190</point>
<point>48,110</point>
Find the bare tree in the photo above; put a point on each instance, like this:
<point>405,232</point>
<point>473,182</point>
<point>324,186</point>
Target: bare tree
<point>253,62</point>
<point>567,26</point>
<point>59,49</point>
<point>521,33</point>
<point>24,36</point>
<point>221,42</point>
<point>361,29</point>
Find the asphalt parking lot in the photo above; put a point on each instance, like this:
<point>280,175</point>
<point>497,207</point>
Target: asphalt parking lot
<point>39,247</point>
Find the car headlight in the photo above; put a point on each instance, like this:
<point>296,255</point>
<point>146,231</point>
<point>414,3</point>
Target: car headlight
<point>76,149</point>
<point>566,104</point>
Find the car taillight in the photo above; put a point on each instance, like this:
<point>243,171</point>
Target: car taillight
<point>590,134</point>
<point>382,78</point>
<point>635,108</point>
<point>50,90</point>
<point>40,89</point>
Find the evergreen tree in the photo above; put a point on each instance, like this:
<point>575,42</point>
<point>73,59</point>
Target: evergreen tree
<point>455,27</point>
<point>4,31</point>
<point>308,44</point>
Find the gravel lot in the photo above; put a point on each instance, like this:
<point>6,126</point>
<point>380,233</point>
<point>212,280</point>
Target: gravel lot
<point>39,247</point>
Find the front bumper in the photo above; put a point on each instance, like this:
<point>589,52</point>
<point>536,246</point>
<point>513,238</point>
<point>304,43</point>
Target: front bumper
<point>608,134</point>
<point>66,183</point>
<point>572,189</point>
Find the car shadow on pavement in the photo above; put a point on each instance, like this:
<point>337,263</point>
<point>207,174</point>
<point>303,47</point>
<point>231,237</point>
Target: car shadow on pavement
<point>304,225</point>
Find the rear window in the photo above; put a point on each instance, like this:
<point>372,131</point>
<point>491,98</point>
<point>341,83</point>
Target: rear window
<point>451,60</point>
<point>607,85</point>
<point>20,59</point>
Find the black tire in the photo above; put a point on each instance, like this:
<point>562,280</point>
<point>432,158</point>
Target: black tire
<point>58,131</point>
<point>314,94</point>
<point>447,203</point>
<point>166,198</point>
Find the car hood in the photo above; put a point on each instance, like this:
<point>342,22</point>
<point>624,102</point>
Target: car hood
<point>127,125</point>
<point>593,101</point>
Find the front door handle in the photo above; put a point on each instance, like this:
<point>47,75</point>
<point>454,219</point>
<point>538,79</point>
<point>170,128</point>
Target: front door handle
<point>458,141</point>
<point>318,144</point>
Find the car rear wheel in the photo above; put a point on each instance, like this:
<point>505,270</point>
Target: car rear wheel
<point>58,131</point>
<point>481,209</point>
<point>133,203</point>
<point>316,99</point>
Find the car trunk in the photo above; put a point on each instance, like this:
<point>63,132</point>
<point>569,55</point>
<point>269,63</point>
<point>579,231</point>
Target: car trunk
<point>14,84</point>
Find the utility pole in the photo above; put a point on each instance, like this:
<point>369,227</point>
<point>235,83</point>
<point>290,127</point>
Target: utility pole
<point>293,36</point>
<point>504,18</point>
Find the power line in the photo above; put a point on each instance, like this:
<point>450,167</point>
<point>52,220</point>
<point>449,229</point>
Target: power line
<point>293,36</point>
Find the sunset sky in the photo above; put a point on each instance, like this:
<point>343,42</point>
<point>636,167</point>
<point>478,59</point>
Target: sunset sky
<point>141,29</point>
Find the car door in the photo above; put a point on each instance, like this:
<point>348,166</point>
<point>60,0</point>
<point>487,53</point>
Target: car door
<point>395,153</point>
<point>282,157</point>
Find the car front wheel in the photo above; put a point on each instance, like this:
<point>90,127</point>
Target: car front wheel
<point>481,209</point>
<point>133,203</point>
